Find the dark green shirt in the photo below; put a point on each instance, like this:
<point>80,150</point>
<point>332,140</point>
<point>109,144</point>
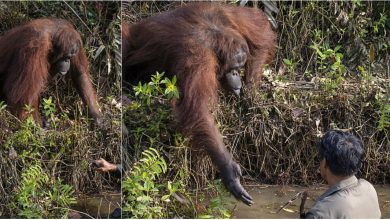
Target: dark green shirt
<point>350,198</point>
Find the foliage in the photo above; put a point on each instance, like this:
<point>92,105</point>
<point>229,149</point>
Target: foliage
<point>291,65</point>
<point>45,196</point>
<point>384,120</point>
<point>148,189</point>
<point>156,88</point>
<point>217,206</point>
<point>144,195</point>
<point>49,109</point>
<point>380,24</point>
<point>2,105</point>
<point>28,140</point>
<point>150,107</point>
<point>38,196</point>
<point>329,61</point>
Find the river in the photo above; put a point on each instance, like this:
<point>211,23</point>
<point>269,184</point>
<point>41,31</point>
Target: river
<point>268,201</point>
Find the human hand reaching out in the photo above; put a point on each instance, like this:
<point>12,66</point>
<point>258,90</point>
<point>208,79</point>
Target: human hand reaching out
<point>104,166</point>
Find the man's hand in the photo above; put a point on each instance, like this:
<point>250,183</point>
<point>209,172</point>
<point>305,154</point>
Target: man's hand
<point>104,166</point>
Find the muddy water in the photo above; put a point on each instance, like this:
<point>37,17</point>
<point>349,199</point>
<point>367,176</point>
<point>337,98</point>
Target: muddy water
<point>269,199</point>
<point>97,206</point>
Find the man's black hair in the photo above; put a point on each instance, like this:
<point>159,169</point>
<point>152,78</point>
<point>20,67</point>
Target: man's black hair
<point>342,151</point>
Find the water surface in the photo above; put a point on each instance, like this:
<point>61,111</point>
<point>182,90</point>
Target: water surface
<point>97,206</point>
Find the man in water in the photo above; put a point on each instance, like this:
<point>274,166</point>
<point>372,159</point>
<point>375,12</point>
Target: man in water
<point>348,197</point>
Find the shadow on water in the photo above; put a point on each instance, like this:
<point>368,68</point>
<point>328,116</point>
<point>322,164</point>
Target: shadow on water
<point>269,199</point>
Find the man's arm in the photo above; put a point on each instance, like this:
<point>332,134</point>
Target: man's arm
<point>104,167</point>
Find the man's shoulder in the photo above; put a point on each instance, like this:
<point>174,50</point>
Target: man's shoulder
<point>367,189</point>
<point>325,208</point>
<point>344,203</point>
<point>364,183</point>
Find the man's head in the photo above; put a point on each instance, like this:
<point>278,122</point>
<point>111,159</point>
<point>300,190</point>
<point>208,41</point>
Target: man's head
<point>340,153</point>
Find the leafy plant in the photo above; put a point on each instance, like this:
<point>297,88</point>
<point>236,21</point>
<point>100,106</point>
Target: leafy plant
<point>2,105</point>
<point>49,109</point>
<point>27,139</point>
<point>149,117</point>
<point>380,24</point>
<point>155,88</point>
<point>151,111</point>
<point>384,120</point>
<point>291,65</point>
<point>29,109</point>
<point>329,61</point>
<point>38,196</point>
<point>217,206</point>
<point>144,194</point>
